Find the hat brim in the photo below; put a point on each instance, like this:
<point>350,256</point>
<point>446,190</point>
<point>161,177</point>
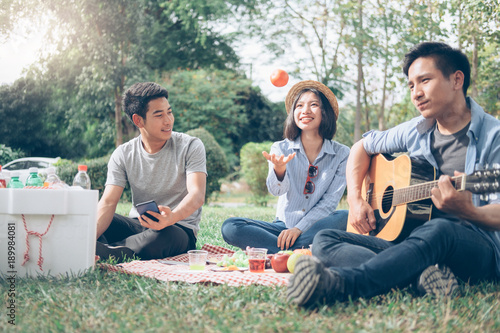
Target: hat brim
<point>297,88</point>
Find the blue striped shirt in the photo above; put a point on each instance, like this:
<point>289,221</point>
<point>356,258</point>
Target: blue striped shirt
<point>301,210</point>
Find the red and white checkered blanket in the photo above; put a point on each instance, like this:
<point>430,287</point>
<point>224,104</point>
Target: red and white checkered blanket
<point>160,271</point>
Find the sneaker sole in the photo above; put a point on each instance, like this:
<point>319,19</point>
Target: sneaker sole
<point>437,281</point>
<point>305,280</point>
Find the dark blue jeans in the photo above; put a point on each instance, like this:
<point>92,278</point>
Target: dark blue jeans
<point>242,232</point>
<point>148,243</point>
<point>371,266</point>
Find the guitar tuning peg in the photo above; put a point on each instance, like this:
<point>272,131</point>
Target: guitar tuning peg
<point>484,197</point>
<point>495,186</point>
<point>493,196</point>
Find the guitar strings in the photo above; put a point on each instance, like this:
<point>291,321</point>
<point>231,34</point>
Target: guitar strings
<point>387,196</point>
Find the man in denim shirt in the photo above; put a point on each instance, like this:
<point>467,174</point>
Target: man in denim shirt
<point>452,133</point>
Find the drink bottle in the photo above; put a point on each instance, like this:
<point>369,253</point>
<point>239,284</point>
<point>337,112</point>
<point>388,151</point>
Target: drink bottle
<point>52,180</point>
<point>33,179</point>
<point>14,181</point>
<point>82,179</point>
<point>3,181</point>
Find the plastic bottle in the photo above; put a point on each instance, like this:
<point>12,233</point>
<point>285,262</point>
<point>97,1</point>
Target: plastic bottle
<point>82,179</point>
<point>14,181</point>
<point>3,182</point>
<point>6,176</point>
<point>33,179</point>
<point>52,180</point>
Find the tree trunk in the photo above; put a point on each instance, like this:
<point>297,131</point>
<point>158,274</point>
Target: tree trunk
<point>357,124</point>
<point>475,61</point>
<point>118,116</point>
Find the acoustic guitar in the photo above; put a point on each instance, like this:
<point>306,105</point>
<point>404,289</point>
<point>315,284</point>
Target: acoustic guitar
<point>399,191</point>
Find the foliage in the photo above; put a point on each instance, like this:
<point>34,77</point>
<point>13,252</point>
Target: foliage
<point>217,165</point>
<point>356,47</point>
<point>72,97</point>
<point>97,170</point>
<point>25,121</point>
<point>226,105</point>
<point>7,154</point>
<point>104,46</point>
<point>254,169</point>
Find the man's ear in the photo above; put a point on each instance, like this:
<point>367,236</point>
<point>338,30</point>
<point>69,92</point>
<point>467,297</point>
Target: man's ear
<point>458,80</point>
<point>138,120</point>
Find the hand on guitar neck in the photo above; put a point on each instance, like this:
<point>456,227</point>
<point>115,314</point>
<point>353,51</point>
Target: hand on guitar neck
<point>447,199</point>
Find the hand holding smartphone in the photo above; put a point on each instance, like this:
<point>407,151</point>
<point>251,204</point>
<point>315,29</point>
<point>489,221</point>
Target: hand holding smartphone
<point>143,207</point>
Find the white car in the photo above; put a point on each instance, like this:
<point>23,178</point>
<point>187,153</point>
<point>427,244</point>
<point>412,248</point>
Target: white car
<point>24,164</point>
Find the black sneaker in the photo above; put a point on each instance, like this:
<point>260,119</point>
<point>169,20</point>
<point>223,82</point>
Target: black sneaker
<point>118,253</point>
<point>437,281</point>
<point>313,284</point>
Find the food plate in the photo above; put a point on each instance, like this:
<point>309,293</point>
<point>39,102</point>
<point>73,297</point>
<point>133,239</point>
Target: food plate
<point>212,261</point>
<point>225,270</point>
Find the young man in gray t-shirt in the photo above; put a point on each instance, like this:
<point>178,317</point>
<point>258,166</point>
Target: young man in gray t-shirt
<point>160,165</point>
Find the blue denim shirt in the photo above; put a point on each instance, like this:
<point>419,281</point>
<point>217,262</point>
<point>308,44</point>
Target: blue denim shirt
<point>301,210</point>
<point>414,137</point>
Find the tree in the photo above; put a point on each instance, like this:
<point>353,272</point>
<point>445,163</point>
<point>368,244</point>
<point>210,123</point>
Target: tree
<point>226,105</point>
<point>308,34</point>
<point>359,48</point>
<point>478,32</point>
<point>105,46</point>
<point>22,110</point>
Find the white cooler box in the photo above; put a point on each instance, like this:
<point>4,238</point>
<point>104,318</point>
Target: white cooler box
<point>68,246</point>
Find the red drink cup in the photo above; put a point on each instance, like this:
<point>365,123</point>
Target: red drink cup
<point>257,260</point>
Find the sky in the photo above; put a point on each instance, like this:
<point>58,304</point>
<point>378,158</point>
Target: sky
<point>17,53</point>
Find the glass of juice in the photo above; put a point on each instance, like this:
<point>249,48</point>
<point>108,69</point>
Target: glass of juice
<point>197,260</point>
<point>257,259</point>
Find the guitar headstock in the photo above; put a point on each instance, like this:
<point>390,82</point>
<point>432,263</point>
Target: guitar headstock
<point>484,181</point>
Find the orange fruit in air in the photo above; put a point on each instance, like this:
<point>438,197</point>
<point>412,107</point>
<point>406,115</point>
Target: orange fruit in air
<point>279,77</point>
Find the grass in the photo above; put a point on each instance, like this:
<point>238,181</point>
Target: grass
<point>101,301</point>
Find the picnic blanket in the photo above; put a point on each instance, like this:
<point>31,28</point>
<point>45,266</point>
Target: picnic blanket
<point>165,272</point>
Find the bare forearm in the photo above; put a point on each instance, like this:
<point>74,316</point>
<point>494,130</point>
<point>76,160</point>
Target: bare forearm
<point>196,184</point>
<point>190,203</point>
<point>280,172</point>
<point>357,166</point>
<point>107,207</point>
<point>485,217</point>
<point>105,212</point>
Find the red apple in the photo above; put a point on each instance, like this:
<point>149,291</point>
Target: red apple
<point>279,261</point>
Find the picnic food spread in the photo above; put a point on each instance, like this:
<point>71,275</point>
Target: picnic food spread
<point>237,259</point>
<point>166,270</point>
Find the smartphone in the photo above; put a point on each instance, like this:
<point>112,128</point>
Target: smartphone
<point>143,207</point>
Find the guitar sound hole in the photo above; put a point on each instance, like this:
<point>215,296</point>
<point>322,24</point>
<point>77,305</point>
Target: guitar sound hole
<point>387,199</point>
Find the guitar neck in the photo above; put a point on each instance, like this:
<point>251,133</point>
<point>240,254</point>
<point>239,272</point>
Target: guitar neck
<point>422,191</point>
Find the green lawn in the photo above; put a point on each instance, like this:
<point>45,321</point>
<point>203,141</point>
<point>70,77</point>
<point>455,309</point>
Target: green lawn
<point>101,301</point>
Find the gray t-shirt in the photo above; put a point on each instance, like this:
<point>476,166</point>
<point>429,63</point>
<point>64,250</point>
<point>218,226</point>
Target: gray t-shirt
<point>161,176</point>
<point>450,150</point>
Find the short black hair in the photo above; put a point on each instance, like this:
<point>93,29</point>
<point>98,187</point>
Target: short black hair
<point>447,59</point>
<point>328,126</point>
<point>137,97</point>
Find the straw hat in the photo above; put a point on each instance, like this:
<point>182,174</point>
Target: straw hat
<point>292,94</point>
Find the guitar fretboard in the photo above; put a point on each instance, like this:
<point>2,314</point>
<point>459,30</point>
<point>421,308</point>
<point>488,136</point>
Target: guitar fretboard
<point>421,191</point>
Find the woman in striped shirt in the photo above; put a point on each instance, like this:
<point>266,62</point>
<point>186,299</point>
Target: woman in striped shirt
<point>306,171</point>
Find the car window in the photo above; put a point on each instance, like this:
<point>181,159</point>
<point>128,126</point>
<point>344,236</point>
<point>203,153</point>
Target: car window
<point>17,166</point>
<point>37,164</point>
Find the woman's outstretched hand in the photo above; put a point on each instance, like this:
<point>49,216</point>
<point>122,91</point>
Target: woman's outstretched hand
<point>279,163</point>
